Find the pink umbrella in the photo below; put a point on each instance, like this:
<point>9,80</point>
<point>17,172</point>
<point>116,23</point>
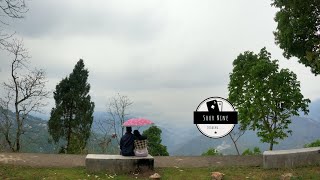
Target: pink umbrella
<point>137,122</point>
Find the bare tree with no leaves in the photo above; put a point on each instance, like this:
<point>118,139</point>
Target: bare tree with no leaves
<point>111,126</point>
<point>12,9</point>
<point>117,111</point>
<point>235,134</point>
<point>24,93</point>
<point>105,127</point>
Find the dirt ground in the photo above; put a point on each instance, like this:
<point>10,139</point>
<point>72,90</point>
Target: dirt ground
<point>63,160</point>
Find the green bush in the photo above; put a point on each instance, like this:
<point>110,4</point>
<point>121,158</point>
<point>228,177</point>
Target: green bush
<point>211,152</point>
<point>256,151</point>
<point>313,144</point>
<point>155,147</point>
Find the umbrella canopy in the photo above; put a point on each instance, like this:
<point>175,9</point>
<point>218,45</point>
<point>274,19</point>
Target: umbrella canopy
<point>137,122</point>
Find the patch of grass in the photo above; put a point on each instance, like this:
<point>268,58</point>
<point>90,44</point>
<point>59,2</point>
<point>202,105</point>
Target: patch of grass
<point>175,173</point>
<point>239,173</point>
<point>25,172</point>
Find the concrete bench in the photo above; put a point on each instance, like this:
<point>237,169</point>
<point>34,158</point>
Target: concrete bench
<point>291,158</point>
<point>117,163</point>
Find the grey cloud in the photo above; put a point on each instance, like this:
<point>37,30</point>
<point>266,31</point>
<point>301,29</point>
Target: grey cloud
<point>54,18</point>
<point>155,52</point>
<point>197,71</point>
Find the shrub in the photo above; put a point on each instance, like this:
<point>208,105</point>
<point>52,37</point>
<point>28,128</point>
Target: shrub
<point>256,151</point>
<point>211,152</point>
<point>313,144</point>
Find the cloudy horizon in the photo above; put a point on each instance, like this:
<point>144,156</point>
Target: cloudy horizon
<point>166,56</point>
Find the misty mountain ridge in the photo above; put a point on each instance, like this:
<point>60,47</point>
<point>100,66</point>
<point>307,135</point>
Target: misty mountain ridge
<point>189,141</point>
<point>182,140</point>
<point>304,130</point>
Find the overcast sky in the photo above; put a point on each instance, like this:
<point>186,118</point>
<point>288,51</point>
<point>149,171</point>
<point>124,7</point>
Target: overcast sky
<point>166,56</point>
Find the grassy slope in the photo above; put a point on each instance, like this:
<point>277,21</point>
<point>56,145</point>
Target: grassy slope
<point>20,172</point>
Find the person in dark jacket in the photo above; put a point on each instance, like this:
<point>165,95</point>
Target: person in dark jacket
<point>127,143</point>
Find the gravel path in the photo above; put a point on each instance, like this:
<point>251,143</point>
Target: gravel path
<point>63,160</point>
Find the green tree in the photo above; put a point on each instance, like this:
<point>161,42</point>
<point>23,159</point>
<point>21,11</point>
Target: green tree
<point>256,151</point>
<point>72,118</point>
<point>211,152</point>
<point>155,147</point>
<point>298,31</point>
<point>313,144</point>
<point>265,96</point>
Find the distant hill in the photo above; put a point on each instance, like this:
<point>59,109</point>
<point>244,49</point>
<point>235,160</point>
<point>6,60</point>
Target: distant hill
<point>314,110</point>
<point>180,140</point>
<point>304,130</point>
<point>189,141</point>
<point>37,139</point>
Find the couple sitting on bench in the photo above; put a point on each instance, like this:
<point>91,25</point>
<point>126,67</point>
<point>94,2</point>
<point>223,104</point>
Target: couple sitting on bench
<point>133,144</point>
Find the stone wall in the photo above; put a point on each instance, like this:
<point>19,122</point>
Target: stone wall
<point>291,158</point>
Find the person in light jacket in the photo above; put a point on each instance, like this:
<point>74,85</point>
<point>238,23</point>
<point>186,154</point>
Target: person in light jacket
<point>140,144</point>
